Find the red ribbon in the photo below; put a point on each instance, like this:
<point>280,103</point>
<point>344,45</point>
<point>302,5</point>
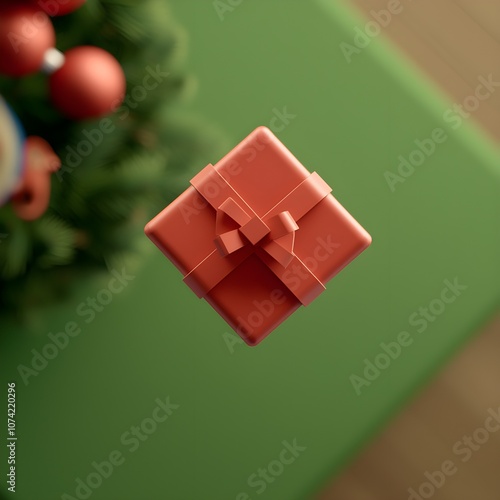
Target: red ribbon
<point>271,237</point>
<point>276,236</point>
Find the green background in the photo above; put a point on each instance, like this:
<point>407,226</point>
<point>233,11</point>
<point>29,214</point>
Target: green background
<point>237,405</point>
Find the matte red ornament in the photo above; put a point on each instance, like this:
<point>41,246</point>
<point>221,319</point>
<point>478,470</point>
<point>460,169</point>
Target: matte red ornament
<point>257,235</point>
<point>91,83</point>
<point>26,33</point>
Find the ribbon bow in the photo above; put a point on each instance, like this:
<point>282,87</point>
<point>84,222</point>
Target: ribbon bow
<point>276,235</point>
<point>271,237</point>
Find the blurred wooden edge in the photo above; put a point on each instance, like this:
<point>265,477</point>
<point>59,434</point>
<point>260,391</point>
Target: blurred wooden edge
<point>422,436</point>
<point>453,42</point>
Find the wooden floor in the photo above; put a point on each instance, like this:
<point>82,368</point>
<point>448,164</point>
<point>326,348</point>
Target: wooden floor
<point>454,43</point>
<point>426,434</point>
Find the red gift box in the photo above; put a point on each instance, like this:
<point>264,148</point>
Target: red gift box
<point>257,235</point>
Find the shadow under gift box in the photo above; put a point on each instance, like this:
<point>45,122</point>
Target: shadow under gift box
<point>203,233</point>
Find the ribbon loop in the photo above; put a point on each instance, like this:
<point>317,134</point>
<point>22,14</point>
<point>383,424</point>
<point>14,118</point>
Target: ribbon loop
<point>281,224</point>
<point>233,210</point>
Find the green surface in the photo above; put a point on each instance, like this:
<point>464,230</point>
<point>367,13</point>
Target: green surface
<point>156,339</point>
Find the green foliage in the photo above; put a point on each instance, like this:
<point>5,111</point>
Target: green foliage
<point>98,208</point>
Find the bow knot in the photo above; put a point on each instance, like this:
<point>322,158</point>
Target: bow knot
<point>275,235</point>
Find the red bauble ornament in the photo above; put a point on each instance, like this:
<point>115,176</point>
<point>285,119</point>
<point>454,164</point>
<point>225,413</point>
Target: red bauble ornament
<point>59,7</point>
<point>91,83</point>
<point>26,33</point>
